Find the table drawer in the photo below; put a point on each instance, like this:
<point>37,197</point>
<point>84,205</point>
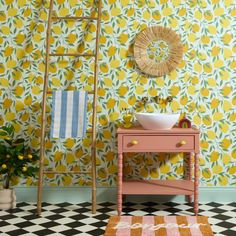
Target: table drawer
<point>158,143</point>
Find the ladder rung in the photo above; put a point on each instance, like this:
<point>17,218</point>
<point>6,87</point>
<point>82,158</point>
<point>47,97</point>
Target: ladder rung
<point>67,172</point>
<point>87,131</point>
<point>50,92</point>
<point>71,54</point>
<point>74,18</point>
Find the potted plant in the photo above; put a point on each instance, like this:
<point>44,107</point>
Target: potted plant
<point>16,159</point>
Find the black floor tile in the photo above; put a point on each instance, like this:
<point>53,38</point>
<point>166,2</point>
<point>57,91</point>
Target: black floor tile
<point>222,217</point>
<point>49,225</point>
<point>78,217</point>
<point>44,232</point>
<point>227,225</point>
<point>229,233</point>
<point>63,204</point>
<point>17,232</point>
<point>71,232</point>
<point>96,232</point>
<point>54,217</point>
<point>214,204</point>
<point>150,204</point>
<point>24,224</point>
<point>74,224</point>
<point>217,210</point>
<point>106,204</point>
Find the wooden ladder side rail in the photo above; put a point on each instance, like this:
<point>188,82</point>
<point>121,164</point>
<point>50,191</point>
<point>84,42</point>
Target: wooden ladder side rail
<point>43,120</point>
<point>94,120</point>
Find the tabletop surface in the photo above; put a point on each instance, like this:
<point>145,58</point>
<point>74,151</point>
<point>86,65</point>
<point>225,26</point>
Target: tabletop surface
<point>141,130</point>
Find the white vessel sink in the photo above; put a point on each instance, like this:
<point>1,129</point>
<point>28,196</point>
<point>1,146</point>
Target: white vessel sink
<point>157,120</point>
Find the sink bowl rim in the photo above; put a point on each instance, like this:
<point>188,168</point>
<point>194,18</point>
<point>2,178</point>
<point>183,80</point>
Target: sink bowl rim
<point>155,113</point>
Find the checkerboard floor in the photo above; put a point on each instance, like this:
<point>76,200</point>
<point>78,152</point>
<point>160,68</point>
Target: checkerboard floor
<point>69,219</point>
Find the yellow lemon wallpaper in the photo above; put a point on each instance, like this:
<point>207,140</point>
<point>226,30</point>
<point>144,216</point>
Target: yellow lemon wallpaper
<point>203,86</point>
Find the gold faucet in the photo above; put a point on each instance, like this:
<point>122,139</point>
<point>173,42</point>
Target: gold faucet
<point>169,99</point>
<point>158,100</point>
<point>144,100</point>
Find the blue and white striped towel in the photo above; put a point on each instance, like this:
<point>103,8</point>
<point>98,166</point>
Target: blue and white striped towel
<point>69,114</point>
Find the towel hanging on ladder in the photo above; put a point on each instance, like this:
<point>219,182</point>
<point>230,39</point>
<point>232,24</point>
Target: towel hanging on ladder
<point>69,110</point>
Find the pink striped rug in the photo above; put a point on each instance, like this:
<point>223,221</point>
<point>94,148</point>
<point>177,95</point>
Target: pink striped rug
<point>158,225</point>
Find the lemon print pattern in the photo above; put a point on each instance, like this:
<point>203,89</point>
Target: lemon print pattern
<point>203,85</point>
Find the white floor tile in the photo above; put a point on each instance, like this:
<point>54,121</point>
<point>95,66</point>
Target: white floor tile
<point>16,220</point>
<point>64,221</point>
<point>34,228</point>
<point>60,228</point>
<point>217,228</point>
<point>8,228</point>
<point>86,228</point>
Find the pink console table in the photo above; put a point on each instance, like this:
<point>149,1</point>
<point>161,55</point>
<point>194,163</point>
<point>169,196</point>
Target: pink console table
<point>137,139</point>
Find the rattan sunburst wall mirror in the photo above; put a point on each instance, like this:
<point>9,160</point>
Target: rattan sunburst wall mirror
<point>157,50</point>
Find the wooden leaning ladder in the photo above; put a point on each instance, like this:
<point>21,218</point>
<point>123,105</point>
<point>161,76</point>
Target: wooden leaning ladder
<point>46,92</point>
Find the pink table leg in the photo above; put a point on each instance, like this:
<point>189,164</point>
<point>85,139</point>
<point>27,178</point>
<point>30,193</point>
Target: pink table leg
<point>196,182</point>
<point>123,166</point>
<point>120,177</point>
<point>190,162</point>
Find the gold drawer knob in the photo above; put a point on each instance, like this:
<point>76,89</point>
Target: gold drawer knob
<point>134,142</point>
<point>183,142</point>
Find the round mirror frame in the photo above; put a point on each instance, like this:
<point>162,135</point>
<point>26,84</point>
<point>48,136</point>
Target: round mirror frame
<point>152,34</point>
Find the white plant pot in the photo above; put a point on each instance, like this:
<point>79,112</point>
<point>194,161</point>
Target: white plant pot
<point>7,199</point>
